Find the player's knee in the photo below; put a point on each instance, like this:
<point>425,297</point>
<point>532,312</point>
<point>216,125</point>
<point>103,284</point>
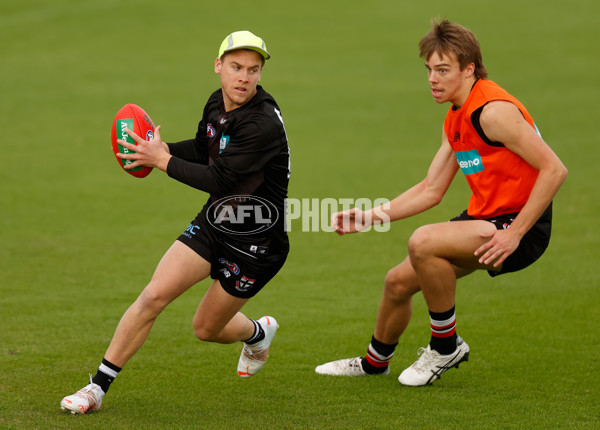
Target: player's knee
<point>420,243</point>
<point>205,333</point>
<point>202,334</point>
<point>397,287</point>
<point>152,301</point>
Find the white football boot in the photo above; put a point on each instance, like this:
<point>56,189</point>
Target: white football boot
<point>88,399</point>
<point>345,367</point>
<point>254,357</point>
<point>431,364</point>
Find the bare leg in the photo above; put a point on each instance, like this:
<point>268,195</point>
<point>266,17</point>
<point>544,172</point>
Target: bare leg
<point>438,255</point>
<point>395,309</point>
<point>218,318</point>
<point>179,269</point>
<point>437,251</point>
<point>439,274</point>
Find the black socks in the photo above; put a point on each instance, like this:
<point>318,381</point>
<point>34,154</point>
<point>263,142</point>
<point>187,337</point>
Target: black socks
<point>259,334</point>
<point>443,331</point>
<point>106,374</point>
<point>378,357</point>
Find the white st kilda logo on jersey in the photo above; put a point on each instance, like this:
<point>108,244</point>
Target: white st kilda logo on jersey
<point>244,284</point>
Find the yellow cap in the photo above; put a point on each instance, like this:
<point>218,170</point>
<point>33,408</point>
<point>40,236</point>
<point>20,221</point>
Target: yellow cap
<point>244,40</point>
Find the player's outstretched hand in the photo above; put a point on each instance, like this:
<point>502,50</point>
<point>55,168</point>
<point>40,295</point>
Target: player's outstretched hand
<point>350,221</point>
<point>149,153</point>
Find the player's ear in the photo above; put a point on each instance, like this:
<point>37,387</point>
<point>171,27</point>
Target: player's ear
<point>218,65</point>
<point>470,69</point>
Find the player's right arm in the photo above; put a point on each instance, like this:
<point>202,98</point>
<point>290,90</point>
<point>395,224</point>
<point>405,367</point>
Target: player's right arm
<point>424,195</point>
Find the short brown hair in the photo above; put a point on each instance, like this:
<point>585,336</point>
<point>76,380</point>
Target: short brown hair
<point>222,57</point>
<point>447,37</point>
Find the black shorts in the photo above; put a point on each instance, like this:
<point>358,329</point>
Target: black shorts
<point>532,245</point>
<point>243,264</point>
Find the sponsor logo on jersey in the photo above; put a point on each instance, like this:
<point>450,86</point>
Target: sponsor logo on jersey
<point>223,143</point>
<point>235,269</point>
<point>191,230</point>
<point>210,130</point>
<point>470,162</point>
<point>262,250</point>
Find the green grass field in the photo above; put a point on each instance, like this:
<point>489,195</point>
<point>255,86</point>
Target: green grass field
<point>80,239</point>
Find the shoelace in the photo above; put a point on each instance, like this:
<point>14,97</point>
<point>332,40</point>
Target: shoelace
<point>426,357</point>
<point>88,393</point>
<point>356,362</point>
<point>260,355</point>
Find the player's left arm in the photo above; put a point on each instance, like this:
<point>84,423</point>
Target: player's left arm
<point>502,121</point>
<point>253,144</point>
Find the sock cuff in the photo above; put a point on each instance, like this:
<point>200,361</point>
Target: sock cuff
<point>378,355</point>
<point>259,333</point>
<point>443,324</point>
<point>441,316</point>
<point>109,369</point>
<point>105,375</point>
<point>381,348</point>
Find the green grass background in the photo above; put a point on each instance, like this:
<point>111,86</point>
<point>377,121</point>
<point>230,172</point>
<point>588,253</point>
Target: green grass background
<point>79,238</point>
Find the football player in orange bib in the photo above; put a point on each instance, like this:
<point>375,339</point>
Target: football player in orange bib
<point>513,174</point>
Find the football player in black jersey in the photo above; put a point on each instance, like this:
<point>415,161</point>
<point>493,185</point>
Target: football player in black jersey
<point>240,156</point>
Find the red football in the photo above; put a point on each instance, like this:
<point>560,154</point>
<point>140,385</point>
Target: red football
<point>134,118</point>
